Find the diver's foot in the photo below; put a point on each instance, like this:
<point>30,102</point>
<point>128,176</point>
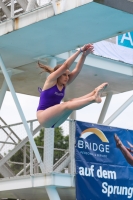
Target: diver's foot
<point>118,141</point>
<point>101,88</point>
<point>97,97</point>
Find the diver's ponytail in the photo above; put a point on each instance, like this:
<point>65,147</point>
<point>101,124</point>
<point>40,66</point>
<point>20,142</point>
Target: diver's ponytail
<point>45,68</point>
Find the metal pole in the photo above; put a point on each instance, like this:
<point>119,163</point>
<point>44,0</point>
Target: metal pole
<point>12,8</point>
<point>73,115</point>
<point>35,165</point>
<point>31,151</point>
<point>52,193</point>
<point>9,83</point>
<point>24,158</point>
<point>105,108</point>
<point>3,91</point>
<point>72,142</point>
<point>48,149</point>
<point>119,111</point>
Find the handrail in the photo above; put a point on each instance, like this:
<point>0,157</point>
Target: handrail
<point>63,161</point>
<point>19,123</point>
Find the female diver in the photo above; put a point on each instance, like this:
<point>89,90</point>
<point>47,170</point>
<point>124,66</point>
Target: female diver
<point>50,113</point>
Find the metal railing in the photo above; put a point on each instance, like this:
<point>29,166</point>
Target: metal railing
<point>13,8</point>
<point>17,157</point>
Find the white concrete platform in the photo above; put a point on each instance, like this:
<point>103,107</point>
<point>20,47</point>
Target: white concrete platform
<point>33,187</point>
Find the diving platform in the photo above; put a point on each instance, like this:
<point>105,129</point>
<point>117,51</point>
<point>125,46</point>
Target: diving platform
<point>47,31</point>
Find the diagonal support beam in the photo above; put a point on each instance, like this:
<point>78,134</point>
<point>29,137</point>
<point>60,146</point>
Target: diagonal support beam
<point>10,130</point>
<point>5,170</point>
<point>5,87</point>
<point>9,83</point>
<point>119,111</point>
<point>105,108</point>
<point>18,147</point>
<point>23,4</point>
<point>9,135</point>
<point>62,163</point>
<point>3,92</point>
<point>31,5</point>
<point>5,9</point>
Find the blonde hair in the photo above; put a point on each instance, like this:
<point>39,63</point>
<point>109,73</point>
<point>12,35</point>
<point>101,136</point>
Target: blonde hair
<point>47,68</point>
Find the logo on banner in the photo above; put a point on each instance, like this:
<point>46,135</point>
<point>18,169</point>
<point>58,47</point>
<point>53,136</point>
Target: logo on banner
<point>85,144</point>
<point>86,133</point>
<point>126,40</point>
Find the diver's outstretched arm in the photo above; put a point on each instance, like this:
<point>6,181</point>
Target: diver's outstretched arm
<point>76,71</point>
<point>124,150</point>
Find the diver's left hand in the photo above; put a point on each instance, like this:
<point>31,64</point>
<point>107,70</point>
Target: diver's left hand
<point>88,49</point>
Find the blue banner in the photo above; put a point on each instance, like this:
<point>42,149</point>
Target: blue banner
<point>104,162</point>
<point>125,39</point>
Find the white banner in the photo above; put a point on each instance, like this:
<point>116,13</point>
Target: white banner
<point>113,51</point>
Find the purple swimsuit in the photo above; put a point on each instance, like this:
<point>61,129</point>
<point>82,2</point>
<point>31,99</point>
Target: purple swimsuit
<point>50,97</point>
